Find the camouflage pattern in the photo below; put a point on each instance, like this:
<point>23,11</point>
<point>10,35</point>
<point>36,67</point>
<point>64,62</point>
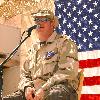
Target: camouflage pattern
<point>49,63</point>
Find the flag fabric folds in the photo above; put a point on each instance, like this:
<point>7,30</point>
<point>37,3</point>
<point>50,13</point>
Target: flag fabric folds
<point>80,20</point>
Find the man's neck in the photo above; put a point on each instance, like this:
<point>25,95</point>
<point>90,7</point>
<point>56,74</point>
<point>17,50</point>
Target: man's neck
<point>44,38</point>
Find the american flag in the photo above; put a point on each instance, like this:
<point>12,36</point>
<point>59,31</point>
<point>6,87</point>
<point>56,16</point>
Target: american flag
<point>80,20</point>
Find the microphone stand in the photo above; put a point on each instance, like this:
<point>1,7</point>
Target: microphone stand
<point>7,59</point>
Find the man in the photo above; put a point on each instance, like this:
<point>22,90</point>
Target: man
<point>51,67</point>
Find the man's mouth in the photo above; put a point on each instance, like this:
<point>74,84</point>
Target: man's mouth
<point>41,27</point>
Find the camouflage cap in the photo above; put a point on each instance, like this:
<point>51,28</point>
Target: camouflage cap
<point>46,13</point>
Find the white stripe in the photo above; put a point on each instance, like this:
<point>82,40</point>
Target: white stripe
<point>89,55</point>
<point>90,72</point>
<point>91,89</point>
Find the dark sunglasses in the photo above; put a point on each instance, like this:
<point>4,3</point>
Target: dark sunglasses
<point>41,19</point>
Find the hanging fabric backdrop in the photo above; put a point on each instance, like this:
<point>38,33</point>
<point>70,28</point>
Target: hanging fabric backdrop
<point>80,20</point>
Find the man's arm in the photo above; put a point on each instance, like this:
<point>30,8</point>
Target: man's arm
<point>25,74</point>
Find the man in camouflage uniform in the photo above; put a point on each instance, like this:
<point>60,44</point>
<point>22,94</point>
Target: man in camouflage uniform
<point>51,67</point>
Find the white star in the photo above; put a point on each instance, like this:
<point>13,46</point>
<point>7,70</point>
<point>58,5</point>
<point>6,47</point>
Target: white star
<point>59,5</point>
<point>84,29</point>
<point>64,10</point>
<point>79,1</point>
<point>90,45</point>
<point>74,30</point>
<point>79,35</point>
<point>90,22</point>
<point>85,17</point>
<point>95,3</point>
<point>95,27</point>
<point>69,14</point>
<point>90,33</point>
<point>59,26</point>
<point>95,38</point>
<point>79,46</point>
<point>64,32</point>
<point>96,15</point>
<point>74,8</point>
<point>69,25</point>
<point>69,37</point>
<point>79,12</point>
<point>79,23</point>
<point>69,3</point>
<point>84,39</point>
<point>90,10</point>
<point>64,21</point>
<point>84,6</point>
<point>59,16</point>
<point>75,19</point>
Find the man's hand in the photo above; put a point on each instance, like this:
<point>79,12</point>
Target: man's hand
<point>29,92</point>
<point>39,95</point>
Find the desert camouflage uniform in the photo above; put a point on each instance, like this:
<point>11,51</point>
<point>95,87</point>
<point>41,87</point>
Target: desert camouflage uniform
<point>50,64</point>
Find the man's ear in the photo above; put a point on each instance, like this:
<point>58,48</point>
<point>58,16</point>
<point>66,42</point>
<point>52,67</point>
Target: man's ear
<point>53,23</point>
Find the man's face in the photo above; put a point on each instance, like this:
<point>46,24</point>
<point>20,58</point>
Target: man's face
<point>46,27</point>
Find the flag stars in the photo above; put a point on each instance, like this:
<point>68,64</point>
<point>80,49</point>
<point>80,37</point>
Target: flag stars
<point>85,17</point>
<point>79,1</point>
<point>90,33</point>
<point>84,29</point>
<point>74,19</point>
<point>65,10</point>
<point>74,8</point>
<point>84,40</point>
<point>79,23</point>
<point>69,3</point>
<point>69,37</point>
<point>59,26</point>
<point>90,45</point>
<point>90,22</point>
<point>84,6</point>
<point>74,30</point>
<point>64,21</point>
<point>59,5</point>
<point>90,10</point>
<point>59,16</point>
<point>79,12</point>
<point>96,15</point>
<point>96,39</point>
<point>95,3</point>
<point>64,32</point>
<point>79,35</point>
<point>69,14</point>
<point>69,25</point>
<point>79,46</point>
<point>95,27</point>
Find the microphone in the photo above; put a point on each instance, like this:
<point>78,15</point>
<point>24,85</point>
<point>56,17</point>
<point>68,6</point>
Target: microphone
<point>33,27</point>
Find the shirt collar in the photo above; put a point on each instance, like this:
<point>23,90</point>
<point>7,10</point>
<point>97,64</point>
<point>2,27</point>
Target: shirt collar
<point>52,37</point>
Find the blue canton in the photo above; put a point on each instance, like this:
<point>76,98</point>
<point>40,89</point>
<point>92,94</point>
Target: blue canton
<point>80,20</point>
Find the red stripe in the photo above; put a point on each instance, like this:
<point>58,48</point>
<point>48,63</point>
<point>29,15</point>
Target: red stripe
<point>90,97</point>
<point>95,80</point>
<point>89,63</point>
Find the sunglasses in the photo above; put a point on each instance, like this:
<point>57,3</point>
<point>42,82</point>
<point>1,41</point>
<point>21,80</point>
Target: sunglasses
<point>41,19</point>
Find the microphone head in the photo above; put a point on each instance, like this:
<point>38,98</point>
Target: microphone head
<point>38,26</point>
<point>33,27</point>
